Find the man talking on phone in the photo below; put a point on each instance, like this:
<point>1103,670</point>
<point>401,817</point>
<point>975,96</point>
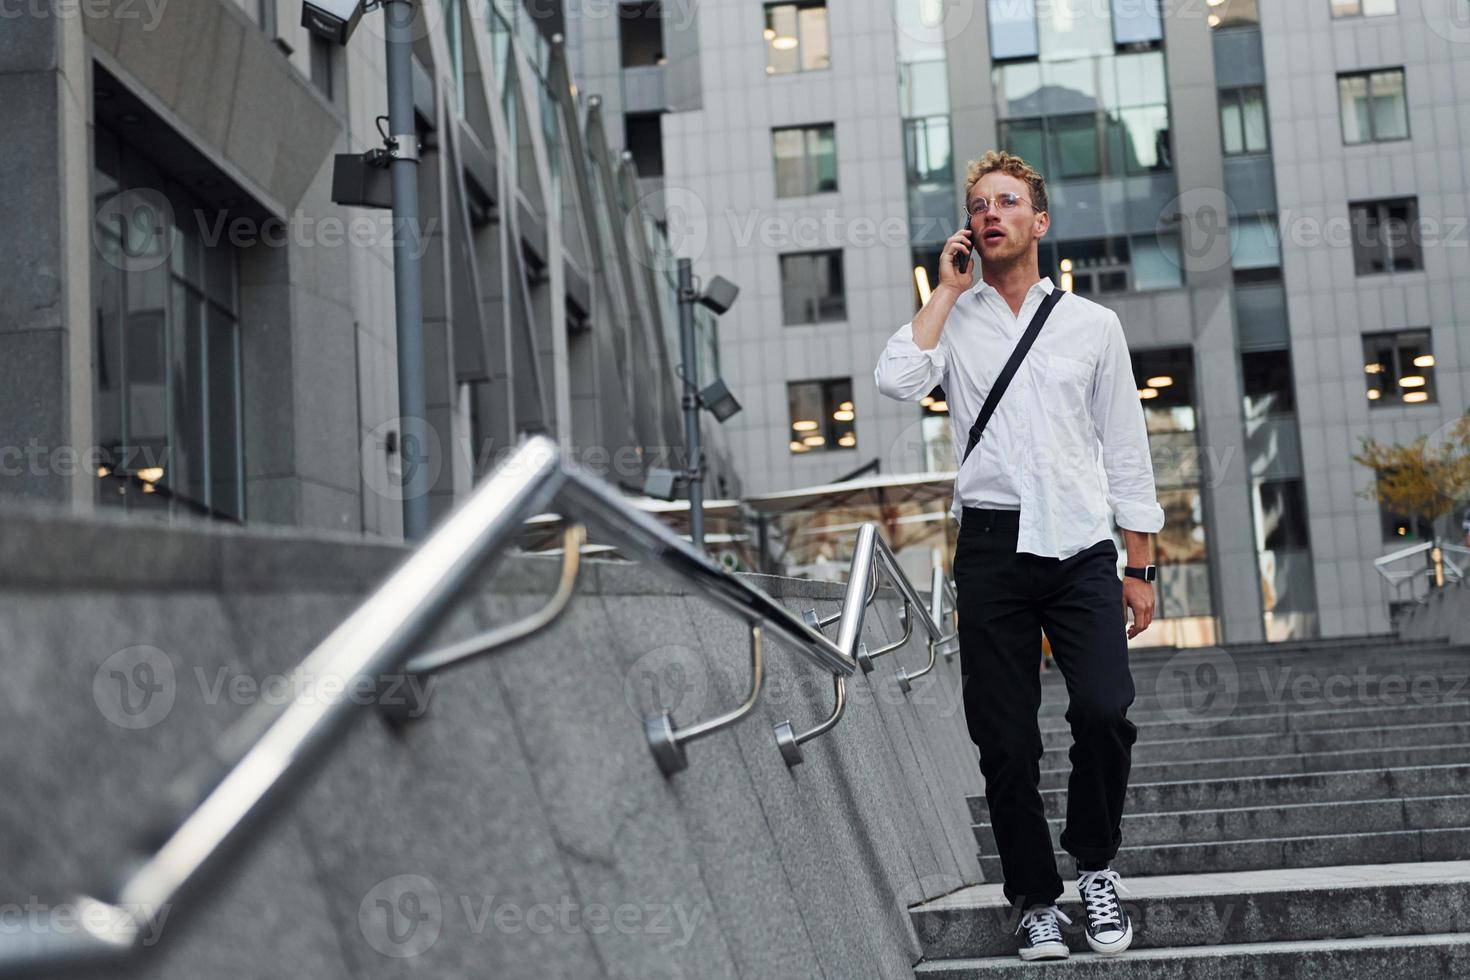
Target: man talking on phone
<point>1049,427</point>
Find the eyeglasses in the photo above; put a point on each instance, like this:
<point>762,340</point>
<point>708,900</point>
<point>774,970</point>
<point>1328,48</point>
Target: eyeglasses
<point>1005,201</point>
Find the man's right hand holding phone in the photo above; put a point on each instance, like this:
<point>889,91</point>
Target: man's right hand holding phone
<point>954,270</point>
<point>928,323</point>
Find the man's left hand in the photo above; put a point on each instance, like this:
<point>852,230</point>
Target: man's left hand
<point>1138,596</point>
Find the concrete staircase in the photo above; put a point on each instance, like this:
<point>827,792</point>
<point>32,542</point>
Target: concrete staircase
<point>1298,810</point>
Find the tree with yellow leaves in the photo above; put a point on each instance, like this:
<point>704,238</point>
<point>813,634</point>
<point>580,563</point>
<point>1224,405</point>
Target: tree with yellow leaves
<point>1424,479</point>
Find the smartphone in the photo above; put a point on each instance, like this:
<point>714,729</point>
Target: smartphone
<point>962,261</point>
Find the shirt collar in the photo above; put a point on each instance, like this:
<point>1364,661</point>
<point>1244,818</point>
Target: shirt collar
<point>1044,285</point>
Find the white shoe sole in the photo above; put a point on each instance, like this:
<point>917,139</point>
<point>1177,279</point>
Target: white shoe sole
<point>1113,948</point>
<point>1046,951</point>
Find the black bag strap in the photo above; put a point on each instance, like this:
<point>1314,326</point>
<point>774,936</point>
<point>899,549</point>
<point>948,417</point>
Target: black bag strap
<point>1006,373</point>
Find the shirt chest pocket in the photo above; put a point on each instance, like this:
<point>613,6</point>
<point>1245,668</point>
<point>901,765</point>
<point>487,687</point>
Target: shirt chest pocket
<point>1065,384</point>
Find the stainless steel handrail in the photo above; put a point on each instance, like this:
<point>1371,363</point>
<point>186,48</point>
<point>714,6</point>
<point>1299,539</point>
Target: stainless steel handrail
<point>1397,579</point>
<point>573,538</point>
<point>281,745</point>
<point>810,617</point>
<point>273,749</point>
<point>788,740</point>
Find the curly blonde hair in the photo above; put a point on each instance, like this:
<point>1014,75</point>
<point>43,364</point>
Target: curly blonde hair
<point>999,161</point>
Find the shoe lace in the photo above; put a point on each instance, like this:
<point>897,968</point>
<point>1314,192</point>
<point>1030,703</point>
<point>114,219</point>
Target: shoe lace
<point>1099,889</point>
<point>1041,925</point>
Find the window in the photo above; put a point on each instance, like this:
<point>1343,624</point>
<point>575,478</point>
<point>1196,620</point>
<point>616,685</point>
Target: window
<point>1282,512</point>
<point>1137,22</point>
<point>926,272</point>
<point>644,134</point>
<point>1268,387</point>
<point>927,150</point>
<point>1243,120</point>
<point>923,88</point>
<point>1373,106</point>
<point>1394,526</point>
<point>811,287</point>
<point>1255,242</point>
<point>1399,368</point>
<point>1075,29</point>
<point>322,55</point>
<point>167,365</point>
<point>1364,8</point>
<point>1165,379</point>
<point>806,159</point>
<point>1012,29</point>
<point>1072,147</point>
<point>641,33</point>
<point>1386,236</point>
<point>822,415</point>
<point>796,37</point>
<point>1026,138</point>
<point>1124,142</point>
<point>454,28</point>
<point>1095,266</point>
<point>1234,13</point>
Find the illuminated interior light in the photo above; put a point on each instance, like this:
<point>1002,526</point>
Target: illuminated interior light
<point>921,280</point>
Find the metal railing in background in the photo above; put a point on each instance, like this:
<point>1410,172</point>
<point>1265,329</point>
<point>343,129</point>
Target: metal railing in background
<point>273,749</point>
<point>873,551</point>
<point>1435,568</point>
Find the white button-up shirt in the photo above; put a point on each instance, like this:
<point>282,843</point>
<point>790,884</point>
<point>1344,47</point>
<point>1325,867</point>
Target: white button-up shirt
<point>1067,443</point>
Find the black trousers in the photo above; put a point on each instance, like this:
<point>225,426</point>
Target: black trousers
<point>1005,601</point>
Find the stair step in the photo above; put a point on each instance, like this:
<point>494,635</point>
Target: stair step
<point>1155,729</point>
<point>1275,790</point>
<point>1358,647</point>
<point>1314,851</point>
<point>1215,909</point>
<point>1209,702</point>
<point>1438,955</point>
<point>1259,823</point>
<point>1290,743</point>
<point>1264,765</point>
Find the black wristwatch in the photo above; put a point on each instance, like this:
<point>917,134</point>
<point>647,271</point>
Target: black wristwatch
<point>1148,572</point>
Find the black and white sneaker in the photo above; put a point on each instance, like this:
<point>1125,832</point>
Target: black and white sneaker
<point>1043,937</point>
<point>1109,930</point>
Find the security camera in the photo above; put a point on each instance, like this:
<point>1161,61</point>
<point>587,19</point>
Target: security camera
<point>334,20</point>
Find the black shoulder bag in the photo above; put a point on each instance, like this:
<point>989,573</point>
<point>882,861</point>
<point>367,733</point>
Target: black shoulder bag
<point>1006,373</point>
